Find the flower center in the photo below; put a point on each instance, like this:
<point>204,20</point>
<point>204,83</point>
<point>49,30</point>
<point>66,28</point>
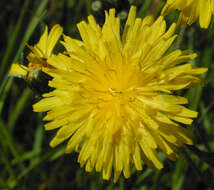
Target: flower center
<point>114,92</point>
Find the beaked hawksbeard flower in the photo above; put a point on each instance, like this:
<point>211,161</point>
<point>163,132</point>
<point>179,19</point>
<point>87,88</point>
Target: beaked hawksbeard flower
<point>191,10</point>
<point>113,95</point>
<point>40,52</point>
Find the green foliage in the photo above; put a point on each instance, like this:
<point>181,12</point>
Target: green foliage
<point>26,159</point>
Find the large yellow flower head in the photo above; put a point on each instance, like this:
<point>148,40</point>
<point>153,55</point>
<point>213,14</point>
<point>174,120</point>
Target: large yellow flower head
<point>113,95</point>
<point>191,10</point>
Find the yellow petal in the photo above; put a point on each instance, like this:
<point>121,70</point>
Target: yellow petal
<point>18,70</point>
<point>42,44</point>
<point>205,11</point>
<point>52,39</point>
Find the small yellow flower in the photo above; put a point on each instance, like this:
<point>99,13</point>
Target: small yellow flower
<point>113,95</point>
<point>40,52</point>
<point>191,10</point>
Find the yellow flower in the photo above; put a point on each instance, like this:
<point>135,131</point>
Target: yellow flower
<point>113,95</point>
<point>191,10</point>
<point>40,53</point>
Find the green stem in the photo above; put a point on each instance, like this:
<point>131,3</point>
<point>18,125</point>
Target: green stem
<point>180,37</point>
<point>202,134</point>
<point>37,17</point>
<point>205,179</point>
<point>13,40</point>
<point>206,156</point>
<point>192,164</point>
<point>18,108</point>
<point>201,153</point>
<point>9,139</point>
<point>5,87</point>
